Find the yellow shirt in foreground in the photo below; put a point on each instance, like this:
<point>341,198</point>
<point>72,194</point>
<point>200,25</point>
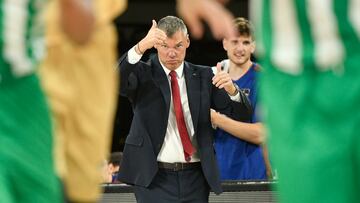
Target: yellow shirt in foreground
<point>81,83</point>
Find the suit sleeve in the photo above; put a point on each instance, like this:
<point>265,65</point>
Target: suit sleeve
<point>221,102</point>
<point>130,76</point>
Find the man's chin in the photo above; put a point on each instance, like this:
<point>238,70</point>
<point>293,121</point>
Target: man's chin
<point>239,62</point>
<point>172,66</point>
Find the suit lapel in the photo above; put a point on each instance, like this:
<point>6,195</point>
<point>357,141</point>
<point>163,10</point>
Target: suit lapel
<point>162,82</point>
<point>192,79</point>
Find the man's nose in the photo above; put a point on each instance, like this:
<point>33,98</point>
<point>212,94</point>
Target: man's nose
<point>240,47</point>
<point>172,53</point>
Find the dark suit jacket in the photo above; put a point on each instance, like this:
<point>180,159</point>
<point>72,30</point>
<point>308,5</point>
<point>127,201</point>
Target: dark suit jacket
<point>147,87</point>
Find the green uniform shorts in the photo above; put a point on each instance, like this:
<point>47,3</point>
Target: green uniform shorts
<point>314,138</point>
<point>26,156</point>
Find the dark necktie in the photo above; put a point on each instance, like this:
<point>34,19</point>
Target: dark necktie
<point>180,120</point>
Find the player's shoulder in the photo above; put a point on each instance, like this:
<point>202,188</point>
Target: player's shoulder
<point>257,67</point>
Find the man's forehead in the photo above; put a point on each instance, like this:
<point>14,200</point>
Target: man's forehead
<point>174,41</point>
<point>176,38</point>
<point>241,38</point>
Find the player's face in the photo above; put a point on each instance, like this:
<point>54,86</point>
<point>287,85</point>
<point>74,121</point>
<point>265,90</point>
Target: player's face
<point>239,49</point>
<point>173,50</point>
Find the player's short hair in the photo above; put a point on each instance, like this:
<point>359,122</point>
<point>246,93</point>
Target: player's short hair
<point>244,27</point>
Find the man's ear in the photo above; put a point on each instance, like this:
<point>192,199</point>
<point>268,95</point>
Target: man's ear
<point>187,41</point>
<point>224,42</point>
<point>253,47</point>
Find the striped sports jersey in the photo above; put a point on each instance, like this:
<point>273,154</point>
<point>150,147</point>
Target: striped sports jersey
<point>21,37</point>
<point>26,141</point>
<point>295,35</point>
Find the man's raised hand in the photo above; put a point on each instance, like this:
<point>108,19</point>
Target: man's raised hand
<point>154,37</point>
<point>222,79</point>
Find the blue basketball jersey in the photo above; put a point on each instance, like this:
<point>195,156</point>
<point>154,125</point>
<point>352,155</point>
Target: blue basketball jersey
<point>239,159</point>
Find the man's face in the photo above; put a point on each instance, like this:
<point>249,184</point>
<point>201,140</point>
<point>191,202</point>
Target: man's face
<point>239,49</point>
<point>173,50</point>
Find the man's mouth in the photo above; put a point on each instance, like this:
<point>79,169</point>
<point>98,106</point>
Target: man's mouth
<point>172,61</point>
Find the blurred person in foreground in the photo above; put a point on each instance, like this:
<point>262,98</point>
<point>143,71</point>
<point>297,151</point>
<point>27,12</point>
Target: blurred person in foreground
<point>310,52</point>
<point>81,82</point>
<point>169,154</point>
<point>26,145</point>
<point>238,145</point>
<point>218,18</point>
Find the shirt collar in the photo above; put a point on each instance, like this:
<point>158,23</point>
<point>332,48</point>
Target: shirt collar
<point>179,70</point>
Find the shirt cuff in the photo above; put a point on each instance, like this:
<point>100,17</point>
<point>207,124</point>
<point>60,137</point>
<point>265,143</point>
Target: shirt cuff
<point>236,97</point>
<point>133,57</point>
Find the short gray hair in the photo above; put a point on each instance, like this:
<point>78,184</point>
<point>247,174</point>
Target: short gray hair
<point>171,24</point>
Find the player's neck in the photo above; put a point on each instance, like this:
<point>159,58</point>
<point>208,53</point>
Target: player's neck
<point>237,71</point>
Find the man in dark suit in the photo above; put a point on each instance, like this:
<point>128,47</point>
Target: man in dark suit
<point>169,154</point>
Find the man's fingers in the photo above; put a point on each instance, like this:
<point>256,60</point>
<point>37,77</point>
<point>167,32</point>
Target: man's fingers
<point>218,67</point>
<point>218,70</point>
<point>218,82</point>
<point>221,80</point>
<point>195,26</point>
<point>154,24</point>
<point>161,35</point>
<point>220,28</point>
<point>212,12</point>
<point>223,85</point>
<point>196,30</point>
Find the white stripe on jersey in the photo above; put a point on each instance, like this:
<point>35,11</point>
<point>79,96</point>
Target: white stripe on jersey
<point>328,47</point>
<point>14,22</point>
<point>354,8</point>
<point>287,46</point>
<point>256,7</point>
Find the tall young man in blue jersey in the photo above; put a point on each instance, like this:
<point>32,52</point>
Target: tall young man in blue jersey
<point>237,144</point>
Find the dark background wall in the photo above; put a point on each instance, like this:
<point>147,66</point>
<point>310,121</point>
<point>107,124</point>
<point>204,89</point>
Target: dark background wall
<point>134,24</point>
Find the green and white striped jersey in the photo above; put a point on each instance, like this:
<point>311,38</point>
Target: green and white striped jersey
<point>21,37</point>
<point>294,35</point>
